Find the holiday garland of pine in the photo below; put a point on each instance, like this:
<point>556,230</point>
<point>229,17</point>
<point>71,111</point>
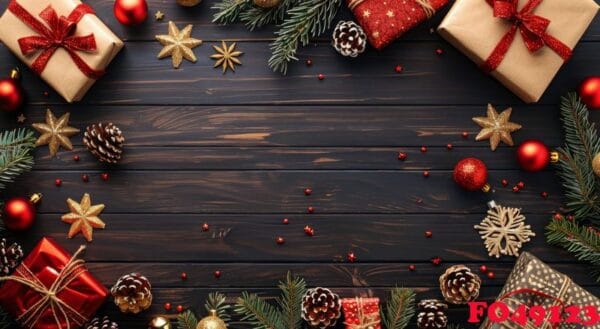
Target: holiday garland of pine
<point>300,20</point>
<point>399,309</point>
<point>215,301</point>
<point>15,154</point>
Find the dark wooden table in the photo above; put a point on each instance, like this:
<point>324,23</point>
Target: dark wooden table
<point>237,150</point>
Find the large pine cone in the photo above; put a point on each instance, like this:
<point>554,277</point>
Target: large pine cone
<point>321,308</point>
<point>432,314</point>
<point>105,323</point>
<point>10,256</point>
<point>349,39</point>
<point>132,293</point>
<point>105,141</point>
<point>459,285</point>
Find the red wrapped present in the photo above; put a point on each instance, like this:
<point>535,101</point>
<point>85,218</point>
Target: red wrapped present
<point>52,289</point>
<point>361,313</point>
<point>384,21</point>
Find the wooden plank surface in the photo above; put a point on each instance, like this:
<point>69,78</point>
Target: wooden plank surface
<point>237,150</point>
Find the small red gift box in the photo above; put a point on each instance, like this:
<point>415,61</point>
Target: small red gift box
<point>385,20</point>
<point>51,289</point>
<point>361,313</point>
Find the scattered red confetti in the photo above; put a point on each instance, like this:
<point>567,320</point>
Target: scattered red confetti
<point>179,308</point>
<point>465,134</point>
<point>309,62</point>
<point>491,275</point>
<point>449,146</point>
<point>217,274</point>
<point>321,76</point>
<point>483,268</point>
<point>423,149</point>
<point>426,174</point>
<point>504,182</point>
<point>439,51</point>
<point>307,191</point>
<point>104,176</point>
<point>411,267</point>
<point>309,230</point>
<point>85,178</point>
<point>280,240</point>
<point>351,257</point>
<point>398,69</point>
<point>516,189</point>
<point>57,182</point>
<point>76,158</point>
<point>521,185</point>
<point>205,227</point>
<point>428,234</point>
<point>183,276</point>
<point>167,306</point>
<point>310,209</point>
<point>402,156</point>
<point>544,195</point>
<point>285,221</point>
<point>436,261</point>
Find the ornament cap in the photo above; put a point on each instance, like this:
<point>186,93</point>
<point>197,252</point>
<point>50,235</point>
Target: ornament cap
<point>486,188</point>
<point>213,313</point>
<point>492,204</point>
<point>15,74</point>
<point>160,322</point>
<point>35,198</point>
<point>554,157</point>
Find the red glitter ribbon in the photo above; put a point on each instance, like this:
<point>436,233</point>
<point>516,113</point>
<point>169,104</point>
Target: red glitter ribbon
<point>59,33</point>
<point>532,27</point>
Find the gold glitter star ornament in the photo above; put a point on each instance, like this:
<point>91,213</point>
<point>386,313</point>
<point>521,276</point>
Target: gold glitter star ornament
<point>496,127</point>
<point>226,56</point>
<point>55,133</point>
<point>83,217</point>
<point>178,44</point>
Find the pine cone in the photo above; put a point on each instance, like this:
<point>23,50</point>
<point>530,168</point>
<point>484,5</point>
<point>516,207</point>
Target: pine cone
<point>349,39</point>
<point>10,257</point>
<point>106,323</point>
<point>321,308</point>
<point>132,293</point>
<point>266,4</point>
<point>459,285</point>
<point>105,141</point>
<point>432,314</point>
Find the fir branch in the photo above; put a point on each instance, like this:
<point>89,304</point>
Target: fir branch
<point>290,301</point>
<point>15,154</point>
<point>255,17</point>
<point>187,320</point>
<point>218,302</point>
<point>582,242</point>
<point>259,313</point>
<point>228,11</point>
<point>399,309</point>
<point>309,19</point>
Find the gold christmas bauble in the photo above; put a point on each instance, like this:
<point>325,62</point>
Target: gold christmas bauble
<point>188,3</point>
<point>266,3</point>
<point>211,322</point>
<point>160,322</point>
<point>596,164</point>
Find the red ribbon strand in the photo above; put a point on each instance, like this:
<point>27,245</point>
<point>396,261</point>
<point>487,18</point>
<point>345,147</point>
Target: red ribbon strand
<point>56,33</point>
<point>532,28</point>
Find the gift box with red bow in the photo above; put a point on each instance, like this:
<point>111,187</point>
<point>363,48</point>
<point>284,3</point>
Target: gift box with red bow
<point>61,40</point>
<point>51,289</point>
<point>386,21</point>
<point>361,313</point>
<point>522,43</point>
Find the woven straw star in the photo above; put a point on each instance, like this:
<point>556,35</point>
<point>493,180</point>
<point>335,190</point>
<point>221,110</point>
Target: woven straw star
<point>178,44</point>
<point>55,133</point>
<point>496,127</point>
<point>83,217</point>
<point>226,56</point>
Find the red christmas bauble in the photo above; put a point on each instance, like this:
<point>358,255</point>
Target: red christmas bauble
<point>130,12</point>
<point>589,90</point>
<point>18,214</point>
<point>11,93</point>
<point>533,155</point>
<point>470,174</point>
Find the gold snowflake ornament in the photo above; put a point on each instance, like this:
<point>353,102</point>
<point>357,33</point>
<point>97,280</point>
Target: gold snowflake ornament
<point>496,127</point>
<point>504,230</point>
<point>226,56</point>
<point>83,217</point>
<point>178,44</point>
<point>55,132</point>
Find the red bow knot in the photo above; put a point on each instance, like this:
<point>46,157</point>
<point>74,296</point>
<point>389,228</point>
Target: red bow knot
<point>57,33</point>
<point>532,27</point>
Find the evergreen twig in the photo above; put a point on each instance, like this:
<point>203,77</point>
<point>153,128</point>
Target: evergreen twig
<point>15,154</point>
<point>259,313</point>
<point>292,290</point>
<point>399,309</point>
<point>187,320</point>
<point>218,302</point>
<point>228,11</point>
<point>256,17</point>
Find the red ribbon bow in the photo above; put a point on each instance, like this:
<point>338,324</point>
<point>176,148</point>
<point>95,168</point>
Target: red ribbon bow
<point>532,27</point>
<point>57,34</point>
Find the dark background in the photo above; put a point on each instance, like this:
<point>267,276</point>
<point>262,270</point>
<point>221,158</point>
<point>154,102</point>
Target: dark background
<point>237,150</point>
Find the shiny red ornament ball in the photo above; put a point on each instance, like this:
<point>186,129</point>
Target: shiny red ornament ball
<point>167,306</point>
<point>310,209</point>
<point>321,76</point>
<point>285,221</point>
<point>533,155</point>
<point>411,268</point>
<point>217,274</point>
<point>483,268</point>
<point>179,308</point>
<point>183,276</point>
<point>470,174</point>
<point>205,227</point>
<point>428,234</point>
<point>11,95</point>
<point>491,275</point>
<point>104,176</point>
<point>307,191</point>
<point>57,182</point>
<point>589,90</point>
<point>280,240</point>
<point>18,214</point>
<point>426,174</point>
<point>130,12</point>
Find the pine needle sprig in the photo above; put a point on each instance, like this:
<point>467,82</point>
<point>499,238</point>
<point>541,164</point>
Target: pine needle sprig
<point>256,17</point>
<point>399,309</point>
<point>307,20</point>
<point>292,290</point>
<point>218,302</point>
<point>258,312</point>
<point>582,242</point>
<point>187,320</point>
<point>228,11</point>
<point>15,154</point>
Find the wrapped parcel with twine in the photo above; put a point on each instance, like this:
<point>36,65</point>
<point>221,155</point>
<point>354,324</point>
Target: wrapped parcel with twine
<point>361,313</point>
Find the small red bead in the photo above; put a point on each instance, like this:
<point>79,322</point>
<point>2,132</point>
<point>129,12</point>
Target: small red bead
<point>426,174</point>
<point>183,276</point>
<point>491,275</point>
<point>85,178</point>
<point>428,234</point>
<point>285,221</point>
<point>423,149</point>
<point>217,274</point>
<point>307,191</point>
<point>309,230</point>
<point>465,134</point>
<point>179,308</point>
<point>411,267</point>
<point>309,62</point>
<point>516,189</point>
<point>521,185</point>
<point>504,182</point>
<point>76,158</point>
<point>402,156</point>
<point>46,94</point>
<point>483,268</point>
<point>205,227</point>
<point>167,306</point>
<point>310,209</point>
<point>57,182</point>
<point>321,76</point>
<point>557,216</point>
<point>570,218</point>
<point>436,261</point>
<point>351,257</point>
<point>398,68</point>
<point>104,176</point>
<point>449,146</point>
<point>280,240</point>
<point>439,51</point>
<point>544,195</point>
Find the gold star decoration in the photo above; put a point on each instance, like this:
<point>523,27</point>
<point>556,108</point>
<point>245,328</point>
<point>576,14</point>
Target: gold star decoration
<point>178,44</point>
<point>159,15</point>
<point>496,127</point>
<point>55,133</point>
<point>226,56</point>
<point>21,118</point>
<point>83,217</point>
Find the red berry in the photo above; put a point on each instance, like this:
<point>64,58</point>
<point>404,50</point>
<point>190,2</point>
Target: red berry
<point>104,176</point>
<point>57,182</point>
<point>307,191</point>
<point>179,308</point>
<point>428,234</point>
<point>205,227</point>
<point>310,209</point>
<point>402,156</point>
<point>217,274</point>
<point>309,62</point>
<point>491,275</point>
<point>76,158</point>
<point>465,134</point>
<point>521,185</point>
<point>436,261</point>
<point>570,218</point>
<point>351,257</point>
<point>411,267</point>
<point>423,149</point>
<point>544,194</point>
<point>46,94</point>
<point>398,68</point>
<point>309,230</point>
<point>449,146</point>
<point>557,216</point>
<point>285,221</point>
<point>516,189</point>
<point>439,51</point>
<point>321,76</point>
<point>280,240</point>
<point>85,178</point>
<point>183,276</point>
<point>504,182</point>
<point>167,306</point>
<point>483,268</point>
<point>426,174</point>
